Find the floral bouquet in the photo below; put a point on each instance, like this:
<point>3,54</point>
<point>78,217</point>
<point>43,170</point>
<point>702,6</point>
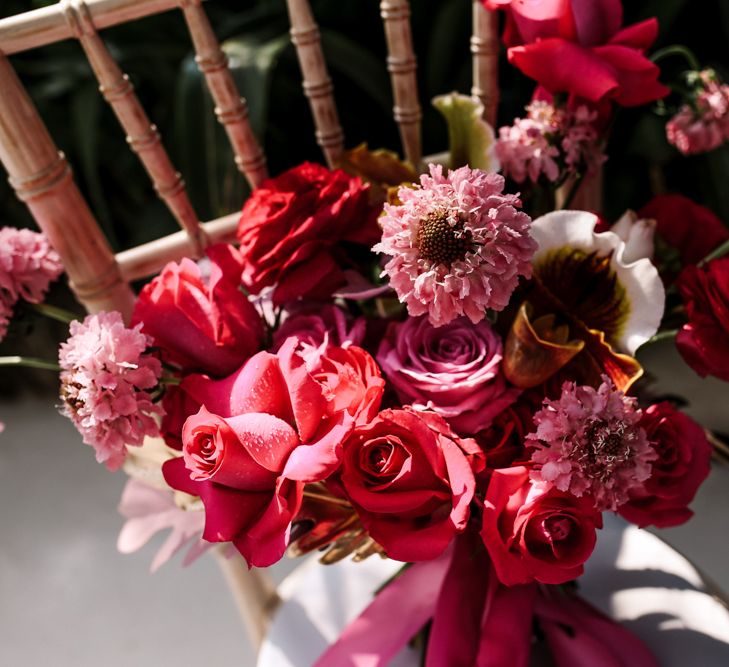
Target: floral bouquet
<point>427,367</point>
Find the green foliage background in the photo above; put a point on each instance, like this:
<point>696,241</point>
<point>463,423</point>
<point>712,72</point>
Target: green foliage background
<point>156,53</point>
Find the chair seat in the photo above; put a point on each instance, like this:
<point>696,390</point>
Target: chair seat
<point>633,576</point>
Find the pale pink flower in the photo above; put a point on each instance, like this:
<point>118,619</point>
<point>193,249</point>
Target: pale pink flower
<point>589,442</point>
<point>28,264</point>
<point>457,244</point>
<point>104,381</point>
<point>527,148</point>
<point>549,143</point>
<point>704,125</point>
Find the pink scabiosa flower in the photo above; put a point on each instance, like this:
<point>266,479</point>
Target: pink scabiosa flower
<point>105,378</point>
<point>703,124</point>
<point>457,244</point>
<point>590,442</point>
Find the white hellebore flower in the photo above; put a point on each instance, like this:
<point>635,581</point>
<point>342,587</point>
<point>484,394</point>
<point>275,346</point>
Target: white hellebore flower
<point>606,280</point>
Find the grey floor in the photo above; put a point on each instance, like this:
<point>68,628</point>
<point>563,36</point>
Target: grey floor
<point>67,598</point>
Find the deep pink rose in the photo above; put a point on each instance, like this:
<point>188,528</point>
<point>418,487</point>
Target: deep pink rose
<point>535,533</point>
<point>292,227</point>
<point>454,370</point>
<point>262,433</point>
<point>201,324</point>
<point>410,484</point>
<point>578,47</point>
<point>690,228</point>
<point>704,341</point>
<point>682,465</point>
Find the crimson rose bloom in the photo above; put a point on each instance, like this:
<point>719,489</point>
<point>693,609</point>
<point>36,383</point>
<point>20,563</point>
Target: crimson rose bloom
<point>577,47</point>
<point>704,341</point>
<point>262,433</point>
<point>536,533</point>
<point>410,484</point>
<point>503,441</point>
<point>690,228</point>
<point>201,324</point>
<point>291,226</point>
<point>682,465</point>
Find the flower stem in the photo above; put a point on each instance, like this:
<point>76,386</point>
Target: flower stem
<point>573,191</point>
<point>170,379</point>
<point>677,50</point>
<point>53,312</point>
<point>326,498</point>
<point>30,362</point>
<point>722,250</point>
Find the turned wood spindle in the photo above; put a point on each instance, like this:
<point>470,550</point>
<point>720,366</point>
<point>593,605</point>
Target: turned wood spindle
<point>485,50</point>
<point>142,135</point>
<point>402,65</point>
<point>230,108</point>
<point>316,82</point>
<point>41,177</point>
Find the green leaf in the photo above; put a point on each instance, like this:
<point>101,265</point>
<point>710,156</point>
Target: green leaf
<point>471,139</point>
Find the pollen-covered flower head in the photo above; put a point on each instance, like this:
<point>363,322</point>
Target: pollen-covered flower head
<point>589,442</point>
<point>105,379</point>
<point>457,244</point>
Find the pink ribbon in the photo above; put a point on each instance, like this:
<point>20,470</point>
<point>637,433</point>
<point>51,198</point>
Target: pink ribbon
<point>477,622</point>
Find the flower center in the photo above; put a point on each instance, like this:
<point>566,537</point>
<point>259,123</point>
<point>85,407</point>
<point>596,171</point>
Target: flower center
<point>443,240</point>
<point>605,447</point>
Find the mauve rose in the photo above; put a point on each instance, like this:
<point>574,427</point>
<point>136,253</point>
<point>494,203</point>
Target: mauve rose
<point>201,324</point>
<point>693,230</point>
<point>291,228</point>
<point>262,433</point>
<point>704,341</point>
<point>535,533</point>
<point>683,463</point>
<point>410,484</point>
<point>454,370</point>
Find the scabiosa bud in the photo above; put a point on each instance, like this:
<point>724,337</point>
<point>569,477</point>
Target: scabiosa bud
<point>589,442</point>
<point>105,378</point>
<point>457,243</point>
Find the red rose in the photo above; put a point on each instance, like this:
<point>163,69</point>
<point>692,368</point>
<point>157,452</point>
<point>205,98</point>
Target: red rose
<point>577,47</point>
<point>351,381</point>
<point>201,325</point>
<point>503,441</point>
<point>682,465</point>
<point>536,533</point>
<point>291,226</point>
<point>262,433</point>
<point>178,406</point>
<point>704,341</point>
<point>410,484</point>
<point>688,227</point>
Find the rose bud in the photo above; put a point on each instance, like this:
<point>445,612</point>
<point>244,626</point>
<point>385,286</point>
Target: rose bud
<point>410,484</point>
<point>682,465</point>
<point>201,324</point>
<point>536,533</point>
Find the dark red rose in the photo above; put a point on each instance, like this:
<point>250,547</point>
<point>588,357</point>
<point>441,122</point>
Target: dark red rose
<point>534,532</point>
<point>503,441</point>
<point>688,227</point>
<point>291,227</point>
<point>682,465</point>
<point>201,324</point>
<point>704,341</point>
<point>178,406</point>
<point>410,483</point>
